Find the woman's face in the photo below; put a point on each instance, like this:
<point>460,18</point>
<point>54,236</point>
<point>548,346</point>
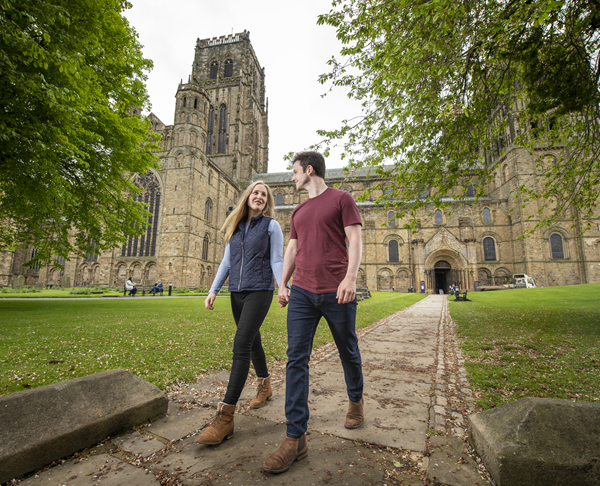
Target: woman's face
<point>258,199</point>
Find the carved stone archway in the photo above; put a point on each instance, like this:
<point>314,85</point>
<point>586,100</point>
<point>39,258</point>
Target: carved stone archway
<point>450,267</point>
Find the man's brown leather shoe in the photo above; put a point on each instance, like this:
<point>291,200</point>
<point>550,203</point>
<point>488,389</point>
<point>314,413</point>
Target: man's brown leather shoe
<point>289,451</point>
<point>355,416</point>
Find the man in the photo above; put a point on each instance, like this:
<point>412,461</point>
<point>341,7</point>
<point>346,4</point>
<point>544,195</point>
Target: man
<point>158,287</point>
<point>324,286</point>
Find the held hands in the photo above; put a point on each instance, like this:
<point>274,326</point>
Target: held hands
<point>346,290</point>
<point>208,303</point>
<point>283,296</point>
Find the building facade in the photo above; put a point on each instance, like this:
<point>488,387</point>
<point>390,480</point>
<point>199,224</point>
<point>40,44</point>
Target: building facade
<point>218,143</point>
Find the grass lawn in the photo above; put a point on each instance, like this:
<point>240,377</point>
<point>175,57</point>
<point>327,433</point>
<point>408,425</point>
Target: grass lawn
<point>542,342</point>
<point>163,340</point>
<point>79,292</point>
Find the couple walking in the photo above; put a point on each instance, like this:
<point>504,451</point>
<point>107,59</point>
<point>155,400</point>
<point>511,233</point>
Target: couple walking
<point>325,251</point>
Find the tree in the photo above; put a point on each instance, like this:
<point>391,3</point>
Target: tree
<point>445,86</point>
<point>71,76</point>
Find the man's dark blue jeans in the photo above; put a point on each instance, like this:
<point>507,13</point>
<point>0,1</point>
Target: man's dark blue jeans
<point>305,309</point>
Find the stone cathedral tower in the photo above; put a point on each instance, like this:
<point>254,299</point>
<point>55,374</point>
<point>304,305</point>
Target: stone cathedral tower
<point>227,70</point>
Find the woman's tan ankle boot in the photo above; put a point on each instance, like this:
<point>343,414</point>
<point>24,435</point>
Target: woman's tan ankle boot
<point>221,426</point>
<point>264,393</point>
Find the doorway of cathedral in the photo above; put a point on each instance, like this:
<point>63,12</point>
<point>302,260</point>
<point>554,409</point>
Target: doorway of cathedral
<point>442,276</point>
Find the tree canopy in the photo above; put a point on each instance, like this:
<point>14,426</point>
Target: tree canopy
<point>72,75</point>
<point>446,86</point>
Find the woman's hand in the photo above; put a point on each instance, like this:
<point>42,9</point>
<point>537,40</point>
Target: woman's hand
<point>208,303</point>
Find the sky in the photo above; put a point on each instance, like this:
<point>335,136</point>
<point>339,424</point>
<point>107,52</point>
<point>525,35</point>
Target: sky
<point>289,44</point>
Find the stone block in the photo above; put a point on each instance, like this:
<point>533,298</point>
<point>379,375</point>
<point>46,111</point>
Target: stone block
<point>539,442</point>
<point>39,285</point>
<point>51,422</point>
<point>18,282</point>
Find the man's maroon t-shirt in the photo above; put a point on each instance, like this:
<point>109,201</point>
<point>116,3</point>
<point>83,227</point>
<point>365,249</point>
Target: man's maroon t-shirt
<point>318,224</point>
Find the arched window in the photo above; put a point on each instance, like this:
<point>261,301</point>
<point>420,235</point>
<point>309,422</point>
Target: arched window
<point>222,129</point>
<point>439,218</point>
<point>228,68</point>
<point>184,101</point>
<point>470,190</point>
<point>489,249</point>
<point>35,265</point>
<point>214,69</point>
<point>391,218</point>
<point>209,177</point>
<point>556,245</point>
<point>205,248</point>
<point>208,211</point>
<point>393,251</point>
<point>210,130</point>
<point>279,199</point>
<point>91,255</point>
<point>195,103</point>
<point>487,215</point>
<point>145,245</point>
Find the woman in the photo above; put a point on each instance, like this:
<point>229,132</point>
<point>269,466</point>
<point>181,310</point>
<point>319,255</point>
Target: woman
<point>253,253</point>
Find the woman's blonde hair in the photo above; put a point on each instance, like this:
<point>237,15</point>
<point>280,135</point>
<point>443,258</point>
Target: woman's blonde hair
<point>241,210</point>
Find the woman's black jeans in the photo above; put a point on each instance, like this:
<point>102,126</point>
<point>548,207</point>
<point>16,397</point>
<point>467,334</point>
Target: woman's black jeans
<point>249,311</point>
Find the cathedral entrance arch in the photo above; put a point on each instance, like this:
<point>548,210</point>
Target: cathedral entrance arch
<point>442,276</point>
<point>444,268</point>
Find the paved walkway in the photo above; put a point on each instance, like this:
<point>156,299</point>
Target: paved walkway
<point>416,399</point>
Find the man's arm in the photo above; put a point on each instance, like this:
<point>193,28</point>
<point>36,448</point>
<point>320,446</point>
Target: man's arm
<point>289,264</point>
<point>347,288</point>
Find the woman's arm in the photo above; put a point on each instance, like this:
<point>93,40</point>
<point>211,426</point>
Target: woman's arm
<point>276,237</point>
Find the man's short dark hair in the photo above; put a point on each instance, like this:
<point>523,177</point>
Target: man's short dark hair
<point>315,159</point>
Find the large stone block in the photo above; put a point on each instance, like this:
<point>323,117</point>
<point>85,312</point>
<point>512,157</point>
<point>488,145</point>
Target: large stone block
<point>54,421</point>
<point>539,441</point>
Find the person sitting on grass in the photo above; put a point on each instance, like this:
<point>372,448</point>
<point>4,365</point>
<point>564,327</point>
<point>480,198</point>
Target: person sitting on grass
<point>158,287</point>
<point>130,286</point>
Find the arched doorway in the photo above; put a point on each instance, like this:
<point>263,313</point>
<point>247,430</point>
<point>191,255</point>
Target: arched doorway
<point>442,276</point>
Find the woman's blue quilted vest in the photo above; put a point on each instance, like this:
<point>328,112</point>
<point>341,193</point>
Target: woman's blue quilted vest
<point>250,257</point>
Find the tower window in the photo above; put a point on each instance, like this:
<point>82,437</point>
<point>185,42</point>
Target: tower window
<point>209,130</point>
<point>195,103</point>
<point>487,216</point>
<point>214,69</point>
<point>279,199</point>
<point>222,129</point>
<point>391,218</point>
<point>556,245</point>
<point>439,219</point>
<point>393,251</point>
<point>208,211</point>
<point>205,248</point>
<point>489,249</point>
<point>228,68</point>
<point>184,101</point>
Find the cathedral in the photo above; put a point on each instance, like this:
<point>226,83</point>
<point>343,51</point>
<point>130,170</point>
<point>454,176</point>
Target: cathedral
<point>218,143</point>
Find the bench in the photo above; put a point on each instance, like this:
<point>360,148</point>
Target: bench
<point>148,288</point>
<point>461,296</point>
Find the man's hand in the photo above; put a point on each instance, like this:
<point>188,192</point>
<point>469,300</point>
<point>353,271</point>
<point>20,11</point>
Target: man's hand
<point>283,296</point>
<point>208,303</point>
<point>346,290</point>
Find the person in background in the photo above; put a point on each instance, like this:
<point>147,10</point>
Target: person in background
<point>158,287</point>
<point>253,254</point>
<point>130,286</point>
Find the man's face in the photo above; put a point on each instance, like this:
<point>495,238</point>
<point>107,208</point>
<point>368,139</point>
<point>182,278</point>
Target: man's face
<point>300,178</point>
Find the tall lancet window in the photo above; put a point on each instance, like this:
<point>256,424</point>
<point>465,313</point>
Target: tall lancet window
<point>214,69</point>
<point>222,129</point>
<point>145,245</point>
<point>209,130</point>
<point>228,68</point>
